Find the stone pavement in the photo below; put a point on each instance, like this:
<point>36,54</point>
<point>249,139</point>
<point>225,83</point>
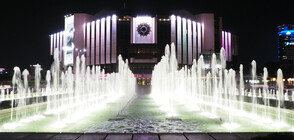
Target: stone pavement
<point>148,136</point>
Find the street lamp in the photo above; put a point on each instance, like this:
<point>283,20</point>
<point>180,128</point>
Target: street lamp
<point>80,50</point>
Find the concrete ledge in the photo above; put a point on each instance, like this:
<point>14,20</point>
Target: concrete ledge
<point>148,136</point>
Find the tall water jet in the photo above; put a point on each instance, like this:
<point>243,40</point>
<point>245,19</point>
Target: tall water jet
<point>200,81</point>
<point>223,58</point>
<point>22,100</point>
<point>37,77</point>
<point>208,91</point>
<point>173,59</point>
<point>48,90</point>
<point>25,75</point>
<point>17,85</point>
<point>230,77</point>
<point>265,94</point>
<point>220,88</point>
<point>55,69</point>
<point>232,94</point>
<point>37,84</point>
<point>280,94</point>
<point>215,94</point>
<point>221,73</point>
<point>253,94</point>
<point>77,79</point>
<point>241,87</point>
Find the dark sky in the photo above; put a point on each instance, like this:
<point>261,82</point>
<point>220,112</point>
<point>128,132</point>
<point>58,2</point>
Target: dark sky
<point>25,26</point>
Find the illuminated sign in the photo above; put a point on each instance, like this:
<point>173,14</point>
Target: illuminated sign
<point>143,30</point>
<point>68,40</point>
<point>289,43</point>
<point>287,32</point>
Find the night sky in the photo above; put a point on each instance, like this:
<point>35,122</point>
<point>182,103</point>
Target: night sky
<point>25,26</point>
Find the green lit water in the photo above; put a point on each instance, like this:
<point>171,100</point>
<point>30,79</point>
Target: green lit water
<point>142,115</point>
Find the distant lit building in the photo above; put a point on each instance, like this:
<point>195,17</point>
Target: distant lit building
<point>140,38</point>
<point>286,49</point>
<point>2,71</point>
<point>286,42</point>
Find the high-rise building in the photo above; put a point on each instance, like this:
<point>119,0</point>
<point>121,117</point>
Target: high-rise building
<point>286,42</point>
<point>140,38</point>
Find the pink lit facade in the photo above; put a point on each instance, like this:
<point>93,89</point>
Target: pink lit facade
<point>95,39</point>
<point>229,43</point>
<point>187,34</point>
<point>56,43</point>
<point>140,39</point>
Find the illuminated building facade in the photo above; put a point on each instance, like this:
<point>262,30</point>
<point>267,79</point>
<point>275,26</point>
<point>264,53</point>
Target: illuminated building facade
<point>140,38</point>
<point>286,42</point>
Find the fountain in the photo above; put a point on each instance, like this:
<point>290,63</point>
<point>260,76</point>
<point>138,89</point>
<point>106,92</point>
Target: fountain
<point>70,97</point>
<point>214,92</point>
<point>191,99</point>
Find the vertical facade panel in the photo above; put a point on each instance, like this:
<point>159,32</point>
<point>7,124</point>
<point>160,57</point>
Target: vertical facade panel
<point>154,24</point>
<point>199,39</point>
<point>190,51</point>
<point>194,41</point>
<point>223,39</point>
<point>93,43</point>
<point>113,39</point>
<point>58,43</point>
<point>102,39</point>
<point>60,46</point>
<point>229,46</point>
<point>54,43</point>
<point>173,29</point>
<point>108,40</point>
<point>179,39</point>
<point>51,44</point>
<point>185,50</point>
<point>226,45</point>
<point>202,38</point>
<point>88,46</point>
<point>97,42</point>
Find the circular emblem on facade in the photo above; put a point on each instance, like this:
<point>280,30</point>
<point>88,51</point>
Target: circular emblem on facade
<point>143,29</point>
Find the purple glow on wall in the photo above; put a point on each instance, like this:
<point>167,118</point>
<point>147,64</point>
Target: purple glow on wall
<point>51,44</point>
<point>223,39</point>
<point>108,40</point>
<point>188,35</point>
<point>173,28</point>
<point>203,38</point>
<point>229,46</point>
<point>199,39</point>
<point>194,40</point>
<point>190,51</point>
<point>57,42</point>
<point>54,42</point>
<point>84,39</point>
<point>179,39</point>
<point>88,36</point>
<point>226,45</point>
<point>97,41</point>
<point>184,34</point>
<point>102,52</point>
<point>113,38</point>
<point>93,43</point>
